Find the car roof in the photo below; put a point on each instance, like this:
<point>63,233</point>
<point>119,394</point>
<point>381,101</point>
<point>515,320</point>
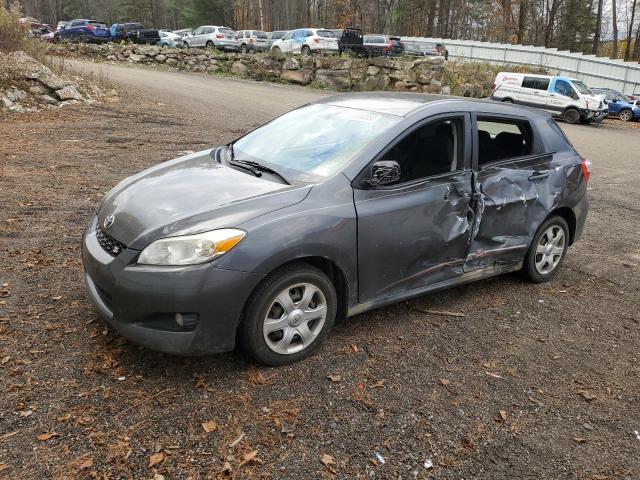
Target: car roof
<point>405,104</point>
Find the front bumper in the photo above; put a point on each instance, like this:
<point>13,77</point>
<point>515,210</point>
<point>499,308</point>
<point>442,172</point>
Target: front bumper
<point>594,116</point>
<point>135,299</point>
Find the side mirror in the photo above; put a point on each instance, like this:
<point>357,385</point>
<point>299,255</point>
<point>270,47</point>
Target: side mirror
<point>384,172</point>
<point>616,99</point>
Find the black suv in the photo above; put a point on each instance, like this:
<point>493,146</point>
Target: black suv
<point>134,32</point>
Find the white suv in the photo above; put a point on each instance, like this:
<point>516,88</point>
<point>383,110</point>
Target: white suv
<point>307,41</point>
<point>211,36</point>
<point>252,41</point>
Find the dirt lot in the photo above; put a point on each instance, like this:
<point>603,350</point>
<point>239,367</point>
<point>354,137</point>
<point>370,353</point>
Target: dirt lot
<point>534,381</point>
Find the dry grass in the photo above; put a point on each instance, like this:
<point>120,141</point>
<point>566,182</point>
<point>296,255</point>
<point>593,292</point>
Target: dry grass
<point>14,36</point>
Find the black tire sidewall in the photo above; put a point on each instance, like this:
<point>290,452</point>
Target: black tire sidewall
<point>250,332</point>
<point>529,266</point>
<point>568,119</point>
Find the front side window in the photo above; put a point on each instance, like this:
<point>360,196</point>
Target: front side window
<point>288,36</point>
<point>502,139</point>
<point>198,31</point>
<point>433,149</point>
<point>564,88</point>
<point>315,141</point>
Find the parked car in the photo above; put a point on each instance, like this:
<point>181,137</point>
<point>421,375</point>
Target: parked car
<point>423,49</point>
<point>619,106</point>
<point>134,32</point>
<point>564,97</point>
<point>252,41</point>
<point>82,30</point>
<point>341,206</point>
<point>306,41</point>
<point>350,41</point>
<point>62,24</point>
<point>211,36</point>
<point>169,39</point>
<point>48,37</point>
<point>626,98</point>
<point>378,45</point>
<point>273,36</point>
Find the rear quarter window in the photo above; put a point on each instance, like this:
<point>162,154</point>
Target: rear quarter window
<point>556,140</point>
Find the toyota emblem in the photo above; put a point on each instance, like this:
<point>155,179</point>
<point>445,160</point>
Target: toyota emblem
<point>108,221</point>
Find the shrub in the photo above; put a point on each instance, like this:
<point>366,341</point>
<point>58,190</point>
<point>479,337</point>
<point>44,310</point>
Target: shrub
<point>14,36</point>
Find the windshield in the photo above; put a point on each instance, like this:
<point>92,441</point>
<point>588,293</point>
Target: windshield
<point>581,87</point>
<point>314,141</point>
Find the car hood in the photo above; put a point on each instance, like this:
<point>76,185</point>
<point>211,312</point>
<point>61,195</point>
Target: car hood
<point>594,102</point>
<point>189,195</point>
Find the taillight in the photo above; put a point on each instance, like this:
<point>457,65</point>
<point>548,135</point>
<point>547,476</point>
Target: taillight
<point>89,28</point>
<point>251,40</point>
<point>493,87</point>
<point>219,35</point>
<point>585,165</point>
<point>316,39</point>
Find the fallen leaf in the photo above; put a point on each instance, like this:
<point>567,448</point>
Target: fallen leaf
<point>25,413</point>
<point>445,381</point>
<point>247,457</point>
<point>209,426</point>
<point>3,466</point>
<point>378,384</point>
<point>237,440</point>
<point>57,297</point>
<point>64,418</point>
<point>327,460</point>
<point>586,395</point>
<point>354,347</point>
<point>503,415</point>
<point>335,377</point>
<point>85,461</point>
<point>5,359</point>
<point>46,436</point>
<point>579,440</point>
<point>155,459</point>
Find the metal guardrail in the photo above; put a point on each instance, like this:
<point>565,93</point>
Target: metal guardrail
<point>592,70</point>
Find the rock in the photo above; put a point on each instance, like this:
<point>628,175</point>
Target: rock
<point>239,68</point>
<point>338,79</point>
<point>333,63</point>
<point>213,68</point>
<point>134,57</point>
<point>403,75</point>
<point>382,62</point>
<point>38,90</point>
<point>49,99</point>
<point>171,61</point>
<point>423,79</point>
<point>446,90</point>
<point>302,77</point>
<point>436,60</point>
<point>375,82</point>
<point>6,102</point>
<point>16,108</point>
<point>373,70</point>
<point>290,63</point>
<point>307,62</point>
<point>161,58</point>
<point>69,93</point>
<point>400,86</point>
<point>265,68</point>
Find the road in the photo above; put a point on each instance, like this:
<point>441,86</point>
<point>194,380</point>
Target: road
<point>532,381</point>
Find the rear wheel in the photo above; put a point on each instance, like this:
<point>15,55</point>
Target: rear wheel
<point>244,49</point>
<point>547,251</point>
<point>625,115</point>
<point>185,44</point>
<point>289,315</point>
<point>209,44</point>
<point>571,115</point>
<point>306,50</point>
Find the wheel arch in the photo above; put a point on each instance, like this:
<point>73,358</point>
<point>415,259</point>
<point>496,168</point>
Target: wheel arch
<point>569,216</point>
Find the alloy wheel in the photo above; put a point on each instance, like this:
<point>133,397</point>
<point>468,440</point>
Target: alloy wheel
<point>625,115</point>
<point>550,249</point>
<point>295,318</point>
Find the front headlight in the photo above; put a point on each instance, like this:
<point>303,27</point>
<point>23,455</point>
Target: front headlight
<point>191,249</point>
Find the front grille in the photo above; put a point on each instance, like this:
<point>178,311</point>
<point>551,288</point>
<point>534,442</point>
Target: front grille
<point>109,244</point>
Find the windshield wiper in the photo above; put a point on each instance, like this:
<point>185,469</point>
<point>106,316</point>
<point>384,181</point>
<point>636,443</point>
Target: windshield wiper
<point>256,167</point>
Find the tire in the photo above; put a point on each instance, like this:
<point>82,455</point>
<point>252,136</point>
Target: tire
<point>571,115</point>
<point>306,50</point>
<point>292,284</point>
<point>625,115</point>
<point>244,49</point>
<point>209,44</point>
<point>185,44</point>
<point>547,250</point>
<point>276,52</point>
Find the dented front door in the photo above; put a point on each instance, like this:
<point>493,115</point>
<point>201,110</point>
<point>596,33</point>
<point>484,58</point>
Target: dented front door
<point>412,235</point>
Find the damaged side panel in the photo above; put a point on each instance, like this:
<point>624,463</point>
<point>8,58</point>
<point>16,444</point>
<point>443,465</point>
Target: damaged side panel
<point>512,199</point>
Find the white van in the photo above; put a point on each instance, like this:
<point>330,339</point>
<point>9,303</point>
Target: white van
<point>562,96</point>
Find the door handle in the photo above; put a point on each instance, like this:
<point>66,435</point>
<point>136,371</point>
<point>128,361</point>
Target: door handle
<point>538,175</point>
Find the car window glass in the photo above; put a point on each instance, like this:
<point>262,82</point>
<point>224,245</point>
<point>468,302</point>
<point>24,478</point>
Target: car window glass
<point>581,87</point>
<point>563,88</point>
<point>198,31</point>
<point>432,149</point>
<point>288,36</point>
<point>326,33</point>
<point>501,139</point>
<point>226,31</point>
<point>259,34</point>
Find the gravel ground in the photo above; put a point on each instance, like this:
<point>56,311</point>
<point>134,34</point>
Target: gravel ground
<point>530,381</point>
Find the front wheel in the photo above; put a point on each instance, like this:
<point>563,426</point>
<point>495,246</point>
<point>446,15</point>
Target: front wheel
<point>547,251</point>
<point>625,115</point>
<point>289,315</point>
<point>571,115</point>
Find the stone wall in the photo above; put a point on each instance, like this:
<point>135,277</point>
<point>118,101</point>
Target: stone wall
<point>424,74</point>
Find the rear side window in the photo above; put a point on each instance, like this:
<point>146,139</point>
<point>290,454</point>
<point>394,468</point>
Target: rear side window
<point>535,83</point>
<point>259,34</point>
<point>500,139</point>
<point>326,34</point>
<point>226,31</point>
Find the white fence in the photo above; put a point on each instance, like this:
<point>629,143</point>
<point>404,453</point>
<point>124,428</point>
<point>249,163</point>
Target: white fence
<point>592,70</point>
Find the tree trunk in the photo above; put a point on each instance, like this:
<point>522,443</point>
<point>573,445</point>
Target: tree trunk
<point>522,16</point>
<point>614,53</point>
<point>627,49</point>
<point>596,35</point>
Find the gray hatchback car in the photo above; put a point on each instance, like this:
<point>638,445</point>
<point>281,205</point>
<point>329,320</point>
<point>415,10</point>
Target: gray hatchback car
<point>335,208</point>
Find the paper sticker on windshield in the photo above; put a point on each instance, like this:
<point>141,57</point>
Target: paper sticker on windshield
<point>359,116</point>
